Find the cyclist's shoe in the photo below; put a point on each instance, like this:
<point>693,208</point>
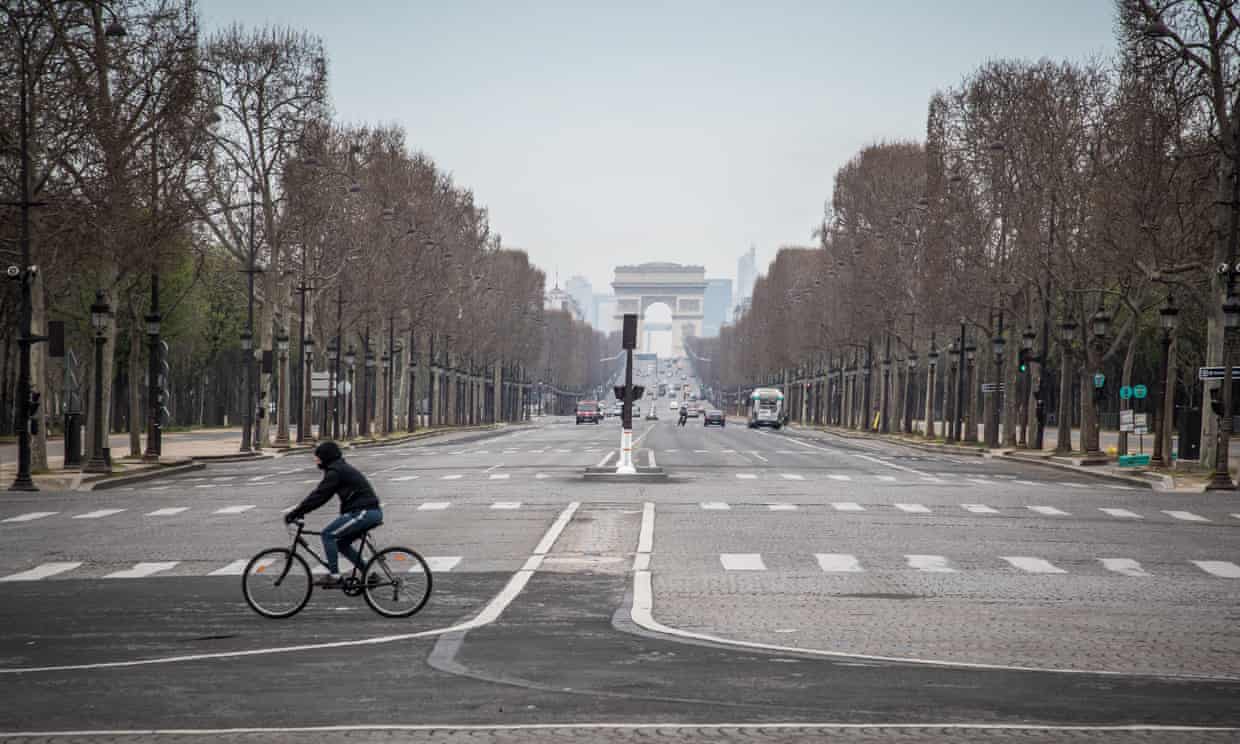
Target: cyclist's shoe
<point>329,582</point>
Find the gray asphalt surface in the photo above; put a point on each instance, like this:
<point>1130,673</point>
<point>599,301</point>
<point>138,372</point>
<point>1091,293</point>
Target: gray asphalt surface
<point>819,553</point>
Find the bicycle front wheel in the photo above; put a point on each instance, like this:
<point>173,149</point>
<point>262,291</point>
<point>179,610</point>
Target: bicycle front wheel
<point>396,582</point>
<point>277,583</point>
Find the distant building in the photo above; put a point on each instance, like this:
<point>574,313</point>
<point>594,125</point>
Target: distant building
<point>604,312</point>
<point>583,292</point>
<point>746,275</point>
<point>742,307</point>
<point>558,299</point>
<point>717,307</point>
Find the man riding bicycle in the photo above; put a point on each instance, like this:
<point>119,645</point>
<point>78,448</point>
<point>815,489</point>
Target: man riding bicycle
<point>359,510</point>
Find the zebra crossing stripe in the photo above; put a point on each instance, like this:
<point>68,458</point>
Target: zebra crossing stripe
<point>838,562</point>
<point>847,506</point>
<point>500,476</point>
<point>979,509</point>
<point>1125,566</point>
<point>1186,516</point>
<point>792,476</point>
<point>913,508</point>
<point>456,476</point>
<point>434,505</point>
<point>836,476</point>
<point>236,568</point>
<point>402,478</point>
<point>717,505</point>
<point>1049,511</point>
<point>746,476</point>
<point>142,570</point>
<point>1225,569</point>
<point>1121,513</point>
<point>782,507</point>
<point>99,514</point>
<point>742,561</point>
<point>1032,565</point>
<point>929,563</point>
<point>886,478</point>
<point>30,517</point>
<point>238,509</point>
<point>167,511</point>
<point>506,505</point>
<point>43,571</point>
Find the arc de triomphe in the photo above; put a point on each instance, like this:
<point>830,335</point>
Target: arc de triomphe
<point>681,288</point>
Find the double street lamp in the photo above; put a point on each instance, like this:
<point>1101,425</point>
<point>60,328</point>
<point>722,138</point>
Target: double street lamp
<point>1168,320</point>
<point>282,410</point>
<point>992,429</point>
<point>932,368</point>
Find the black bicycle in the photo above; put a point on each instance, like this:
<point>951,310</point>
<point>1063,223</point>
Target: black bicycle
<point>277,583</point>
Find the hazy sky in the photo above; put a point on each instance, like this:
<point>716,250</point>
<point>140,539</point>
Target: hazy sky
<point>620,132</point>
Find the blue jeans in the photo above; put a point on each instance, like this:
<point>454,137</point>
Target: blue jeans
<point>342,531</point>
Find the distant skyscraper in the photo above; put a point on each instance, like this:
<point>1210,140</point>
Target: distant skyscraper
<point>604,310</point>
<point>581,290</point>
<point>746,275</point>
<point>717,309</point>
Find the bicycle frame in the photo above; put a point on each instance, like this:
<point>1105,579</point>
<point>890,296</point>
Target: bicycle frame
<point>300,541</point>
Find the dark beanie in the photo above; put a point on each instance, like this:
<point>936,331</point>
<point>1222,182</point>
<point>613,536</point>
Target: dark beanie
<point>327,452</point>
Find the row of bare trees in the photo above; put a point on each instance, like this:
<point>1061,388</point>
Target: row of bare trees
<point>161,157</point>
<point>1056,206</point>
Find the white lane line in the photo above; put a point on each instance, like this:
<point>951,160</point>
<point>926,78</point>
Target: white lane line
<point>603,463</point>
<point>746,476</point>
<point>541,476</point>
<point>99,514</point>
<point>1185,516</point>
<point>1073,484</point>
<point>261,477</point>
<point>167,511</point>
<point>310,480</point>
<point>838,562</point>
<point>43,571</point>
<point>30,516</point>
<point>1120,488</point>
<point>645,537</point>
<point>1027,483</point>
<point>402,478</point>
<point>847,506</point>
<point>438,564</point>
<point>454,476</point>
<point>931,479</point>
<point>791,476</point>
<point>914,508</point>
<point>1122,513</point>
<point>142,570</point>
<point>760,457</point>
<point>981,481</point>
<point>717,505</point>
<point>506,505</point>
<point>1236,516</point>
<point>500,476</point>
<point>979,509</point>
<point>434,505</point>
<point>1225,569</point>
<point>671,451</point>
<point>893,465</point>
<point>1049,511</point>
<point>238,509</point>
<point>700,452</point>
<point>742,561</point>
<point>782,507</point>
<point>836,477</point>
<point>641,562</point>
<point>886,478</point>
<point>208,485</point>
<point>1125,566</point>
<point>533,563</point>
<point>493,467</point>
<point>489,614</point>
<point>1032,565</point>
<point>236,568</point>
<point>929,563</point>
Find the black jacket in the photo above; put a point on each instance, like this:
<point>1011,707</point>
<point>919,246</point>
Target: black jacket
<point>343,480</point>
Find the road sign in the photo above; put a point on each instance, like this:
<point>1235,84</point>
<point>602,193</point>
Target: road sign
<point>1140,392</point>
<point>1216,373</point>
<point>319,385</point>
<point>1126,419</point>
<point>1099,379</point>
<point>1131,461</point>
<point>1125,393</point>
<point>990,387</point>
<point>1141,421</point>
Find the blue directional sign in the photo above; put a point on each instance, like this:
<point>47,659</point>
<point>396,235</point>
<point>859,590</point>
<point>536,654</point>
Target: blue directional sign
<point>1125,393</point>
<point>1100,380</point>
<point>1139,392</point>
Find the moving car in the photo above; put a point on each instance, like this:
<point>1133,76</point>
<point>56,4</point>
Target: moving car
<point>590,412</point>
<point>674,405</point>
<point>714,417</point>
<point>694,410</point>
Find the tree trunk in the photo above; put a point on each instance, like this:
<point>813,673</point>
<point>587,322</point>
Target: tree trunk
<point>135,387</point>
<point>1214,302</point>
<point>39,375</point>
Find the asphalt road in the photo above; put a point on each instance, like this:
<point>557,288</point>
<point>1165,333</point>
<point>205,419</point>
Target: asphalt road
<point>778,587</point>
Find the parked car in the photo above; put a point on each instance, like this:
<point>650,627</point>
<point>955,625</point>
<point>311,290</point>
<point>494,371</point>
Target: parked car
<point>714,417</point>
<point>589,411</point>
<point>674,405</point>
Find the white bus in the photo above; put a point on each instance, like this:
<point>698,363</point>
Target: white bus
<point>766,408</point>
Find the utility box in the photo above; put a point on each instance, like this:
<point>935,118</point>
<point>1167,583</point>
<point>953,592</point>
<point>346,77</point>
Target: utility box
<point>1190,433</point>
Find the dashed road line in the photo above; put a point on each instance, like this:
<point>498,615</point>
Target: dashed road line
<point>142,570</point>
<point>31,516</point>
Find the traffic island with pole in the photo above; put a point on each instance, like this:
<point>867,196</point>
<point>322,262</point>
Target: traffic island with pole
<point>625,469</point>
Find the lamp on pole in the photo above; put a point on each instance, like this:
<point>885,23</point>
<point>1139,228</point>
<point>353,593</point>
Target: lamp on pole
<point>932,368</point>
<point>367,385</point>
<point>385,362</point>
<point>997,344</point>
<point>350,357</point>
<point>100,311</point>
<point>1168,320</point>
<point>909,392</point>
<point>307,401</point>
<point>155,392</point>
<point>953,400</point>
<point>1026,357</point>
<point>333,381</point>
<point>968,389</point>
<point>1100,325</point>
<point>1221,479</point>
<point>1063,440</point>
<point>885,425</point>
<point>282,410</point>
<point>249,438</point>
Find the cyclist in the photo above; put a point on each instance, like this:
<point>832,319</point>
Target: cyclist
<point>684,416</point>
<point>359,510</point>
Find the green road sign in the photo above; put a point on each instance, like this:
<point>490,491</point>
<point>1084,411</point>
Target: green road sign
<point>1100,380</point>
<point>1139,392</point>
<point>1125,393</point>
<point>1132,461</point>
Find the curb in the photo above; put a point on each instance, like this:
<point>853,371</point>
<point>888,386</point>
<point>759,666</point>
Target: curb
<point>237,457</point>
<point>421,435</point>
<point>1087,471</point>
<point>124,480</point>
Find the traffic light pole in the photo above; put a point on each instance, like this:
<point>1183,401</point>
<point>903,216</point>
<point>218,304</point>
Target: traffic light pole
<point>625,465</point>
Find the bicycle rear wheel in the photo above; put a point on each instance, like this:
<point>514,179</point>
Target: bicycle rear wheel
<point>396,582</point>
<point>277,583</point>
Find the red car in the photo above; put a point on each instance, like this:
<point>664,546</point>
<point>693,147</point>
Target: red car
<point>590,412</point>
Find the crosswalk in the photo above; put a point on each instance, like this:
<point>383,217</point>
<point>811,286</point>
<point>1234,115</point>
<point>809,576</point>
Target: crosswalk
<point>165,569</point>
<point>918,479</point>
<point>983,509</point>
<point>847,563</point>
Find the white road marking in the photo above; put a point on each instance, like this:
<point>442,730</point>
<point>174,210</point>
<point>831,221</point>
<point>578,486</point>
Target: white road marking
<point>1186,516</point>
<point>1122,513</point>
<point>30,516</point>
<point>603,463</point>
<point>671,450</point>
<point>641,562</point>
<point>142,570</point>
<point>236,568</point>
<point>838,562</point>
<point>1032,565</point>
<point>402,478</point>
<point>718,505</point>
<point>650,453</point>
<point>931,479</point>
<point>1125,566</point>
<point>43,571</point>
<point>438,564</point>
<point>455,476</point>
<point>892,465</point>
<point>500,476</point>
<point>782,507</point>
<point>791,476</point>
<point>1120,488</point>
<point>929,563</point>
<point>700,452</point>
<point>914,508</point>
<point>506,505</point>
<point>167,511</point>
<point>982,481</point>
<point>1049,511</point>
<point>238,509</point>
<point>541,476</point>
<point>742,561</point>
<point>99,514</point>
<point>746,476</point>
<point>837,477</point>
<point>645,537</point>
<point>434,505</point>
<point>979,509</point>
<point>493,467</point>
<point>261,477</point>
<point>847,506</point>
<point>1027,483</point>
<point>1073,484</point>
<point>886,478</point>
<point>208,485</point>
<point>310,480</point>
<point>760,457</point>
<point>1225,569</point>
<point>1237,516</point>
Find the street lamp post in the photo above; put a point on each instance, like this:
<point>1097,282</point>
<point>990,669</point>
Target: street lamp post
<point>1100,325</point>
<point>952,403</point>
<point>932,368</point>
<point>247,412</point>
<point>307,387</point>
<point>868,405</point>
<point>339,341</point>
<point>154,436</point>
<point>885,425</point>
<point>282,410</point>
<point>1168,319</point>
<point>333,380</point>
<point>1063,440</point>
<point>1221,479</point>
<point>391,373</point>
<point>992,428</point>
<point>368,385</point>
<point>99,314</point>
<point>350,357</point>
<point>909,393</point>
<point>249,438</point>
<point>968,391</point>
<point>1026,344</point>
<point>385,366</point>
